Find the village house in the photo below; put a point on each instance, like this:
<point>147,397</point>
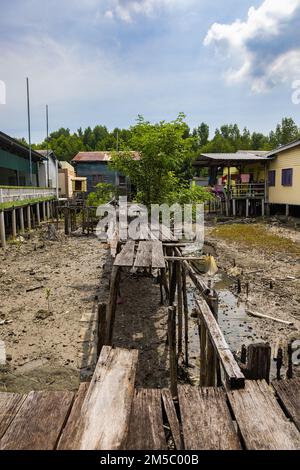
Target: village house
<point>70,184</point>
<point>284,178</point>
<point>95,167</point>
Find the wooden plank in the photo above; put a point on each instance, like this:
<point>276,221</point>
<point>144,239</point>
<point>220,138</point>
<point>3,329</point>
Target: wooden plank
<point>126,256</point>
<point>206,420</point>
<point>9,406</point>
<point>39,421</point>
<point>146,430</point>
<point>289,393</point>
<point>234,376</point>
<point>71,428</point>
<point>158,260</point>
<point>261,421</point>
<point>172,418</point>
<point>2,353</point>
<point>104,419</point>
<point>143,257</point>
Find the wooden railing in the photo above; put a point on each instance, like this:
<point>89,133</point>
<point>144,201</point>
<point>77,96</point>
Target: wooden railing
<point>245,190</point>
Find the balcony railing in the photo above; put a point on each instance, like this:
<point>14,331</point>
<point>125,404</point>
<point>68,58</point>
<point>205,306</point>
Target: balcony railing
<point>248,190</point>
<point>21,194</point>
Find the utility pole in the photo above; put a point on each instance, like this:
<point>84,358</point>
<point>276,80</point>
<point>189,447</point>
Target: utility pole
<point>47,130</point>
<point>29,131</point>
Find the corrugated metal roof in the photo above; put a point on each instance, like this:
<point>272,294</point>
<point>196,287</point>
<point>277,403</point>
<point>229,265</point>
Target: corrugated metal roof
<point>232,156</point>
<point>282,148</point>
<point>97,156</point>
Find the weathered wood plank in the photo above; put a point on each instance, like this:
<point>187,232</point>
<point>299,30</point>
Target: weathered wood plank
<point>206,420</point>
<point>39,421</point>
<point>126,256</point>
<point>143,257</point>
<point>9,406</point>
<point>158,260</point>
<point>146,430</point>
<point>104,419</point>
<point>289,393</point>
<point>71,428</point>
<point>2,353</point>
<point>261,421</point>
<point>172,418</point>
<point>234,376</point>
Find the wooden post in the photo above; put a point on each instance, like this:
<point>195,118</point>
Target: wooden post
<point>21,216</point>
<point>112,303</point>
<point>67,220</point>
<point>173,283</point>
<point>244,354</point>
<point>2,230</point>
<point>287,210</point>
<point>259,362</point>
<point>186,317</point>
<point>38,217</point>
<point>165,282</point>
<point>233,207</point>
<point>48,210</point>
<point>213,366</point>
<point>279,362</point>
<point>247,208</point>
<point>172,349</point>
<point>28,217</point>
<point>179,305</point>
<point>289,373</point>
<point>262,207</point>
<point>14,224</point>
<point>203,363</point>
<point>102,325</point>
<point>239,285</point>
<point>83,220</point>
<point>44,211</point>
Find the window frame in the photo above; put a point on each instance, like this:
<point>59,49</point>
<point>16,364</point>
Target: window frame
<point>287,177</point>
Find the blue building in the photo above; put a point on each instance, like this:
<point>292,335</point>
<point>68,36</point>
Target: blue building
<point>95,167</point>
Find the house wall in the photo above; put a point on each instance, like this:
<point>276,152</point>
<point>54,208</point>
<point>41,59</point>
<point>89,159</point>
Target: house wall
<point>286,194</point>
<point>96,172</point>
<point>43,173</point>
<point>14,170</point>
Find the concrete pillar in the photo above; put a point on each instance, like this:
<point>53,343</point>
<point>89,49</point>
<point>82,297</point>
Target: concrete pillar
<point>21,214</point>
<point>38,217</point>
<point>263,207</point>
<point>14,224</point>
<point>287,210</point>
<point>2,230</point>
<point>247,207</point>
<point>28,218</point>
<point>48,210</point>
<point>233,207</point>
<point>44,211</point>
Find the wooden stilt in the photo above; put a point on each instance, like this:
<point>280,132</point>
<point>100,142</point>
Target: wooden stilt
<point>67,220</point>
<point>28,217</point>
<point>2,230</point>
<point>259,362</point>
<point>179,305</point>
<point>164,282</point>
<point>38,217</point>
<point>289,373</point>
<point>44,211</point>
<point>173,283</point>
<point>247,208</point>
<point>112,303</point>
<point>203,363</point>
<point>172,349</point>
<point>21,217</point>
<point>186,318</point>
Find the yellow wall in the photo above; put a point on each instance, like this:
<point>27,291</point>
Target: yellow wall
<point>286,194</point>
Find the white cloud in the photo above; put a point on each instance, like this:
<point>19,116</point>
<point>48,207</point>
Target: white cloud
<point>265,47</point>
<point>126,10</point>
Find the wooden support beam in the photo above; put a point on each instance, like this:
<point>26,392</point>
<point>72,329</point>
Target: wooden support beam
<point>67,220</point>
<point>38,216</point>
<point>112,303</point>
<point>203,362</point>
<point>2,230</point>
<point>102,327</point>
<point>172,349</point>
<point>29,217</point>
<point>184,258</point>
<point>186,317</point>
<point>234,376</point>
<point>179,306</point>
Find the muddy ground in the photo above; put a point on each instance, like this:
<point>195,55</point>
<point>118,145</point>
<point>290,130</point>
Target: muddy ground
<point>45,288</point>
<point>43,342</point>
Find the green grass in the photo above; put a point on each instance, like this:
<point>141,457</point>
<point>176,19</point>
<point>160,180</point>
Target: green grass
<point>23,202</point>
<point>257,236</point>
<point>23,187</point>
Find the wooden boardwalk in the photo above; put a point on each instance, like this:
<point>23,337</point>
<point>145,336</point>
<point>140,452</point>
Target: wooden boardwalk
<point>108,413</point>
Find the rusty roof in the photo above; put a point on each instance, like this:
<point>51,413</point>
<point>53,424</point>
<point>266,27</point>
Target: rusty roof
<point>97,156</point>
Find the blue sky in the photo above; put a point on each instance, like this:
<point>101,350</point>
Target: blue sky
<point>106,61</point>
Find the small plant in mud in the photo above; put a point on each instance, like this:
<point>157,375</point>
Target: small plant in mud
<point>48,294</point>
